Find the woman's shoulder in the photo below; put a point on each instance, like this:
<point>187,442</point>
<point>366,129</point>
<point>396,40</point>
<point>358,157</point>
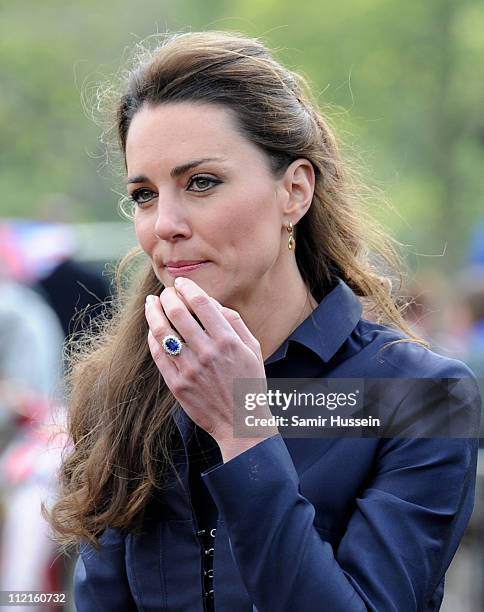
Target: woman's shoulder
<point>395,354</point>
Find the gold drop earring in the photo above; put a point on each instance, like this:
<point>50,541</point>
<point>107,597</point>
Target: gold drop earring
<point>291,243</point>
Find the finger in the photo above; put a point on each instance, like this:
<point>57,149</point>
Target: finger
<point>203,307</point>
<point>161,327</point>
<point>178,315</point>
<point>239,326</point>
<point>157,320</point>
<point>167,367</point>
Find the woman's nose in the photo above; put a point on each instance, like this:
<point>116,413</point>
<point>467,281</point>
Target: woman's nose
<point>171,223</point>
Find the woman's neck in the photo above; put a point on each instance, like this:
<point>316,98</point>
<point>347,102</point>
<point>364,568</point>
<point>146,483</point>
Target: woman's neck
<point>272,336</point>
<point>277,310</point>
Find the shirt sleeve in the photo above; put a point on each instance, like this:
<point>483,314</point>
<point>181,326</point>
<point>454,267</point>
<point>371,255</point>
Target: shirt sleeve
<point>397,545</point>
<point>100,580</point>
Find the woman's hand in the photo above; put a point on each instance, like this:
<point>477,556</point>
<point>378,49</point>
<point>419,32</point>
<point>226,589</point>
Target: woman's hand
<point>201,376</point>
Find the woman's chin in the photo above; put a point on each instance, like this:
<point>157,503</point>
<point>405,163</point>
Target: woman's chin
<point>168,280</point>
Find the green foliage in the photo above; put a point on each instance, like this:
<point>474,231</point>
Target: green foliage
<point>403,82</point>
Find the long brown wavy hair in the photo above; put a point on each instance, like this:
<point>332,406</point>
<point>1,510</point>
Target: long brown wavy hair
<point>120,421</point>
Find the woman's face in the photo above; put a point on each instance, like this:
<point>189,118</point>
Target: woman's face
<point>226,210</point>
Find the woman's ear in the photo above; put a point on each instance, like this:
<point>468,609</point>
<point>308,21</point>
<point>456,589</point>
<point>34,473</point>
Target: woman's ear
<point>299,181</point>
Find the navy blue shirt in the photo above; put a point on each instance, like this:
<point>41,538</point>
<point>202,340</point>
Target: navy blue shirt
<point>203,453</point>
<point>310,345</point>
<point>305,524</point>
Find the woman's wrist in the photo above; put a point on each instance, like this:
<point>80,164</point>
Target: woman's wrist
<point>232,447</point>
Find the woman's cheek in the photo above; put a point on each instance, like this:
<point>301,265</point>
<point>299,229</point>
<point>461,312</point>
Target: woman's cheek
<point>143,233</point>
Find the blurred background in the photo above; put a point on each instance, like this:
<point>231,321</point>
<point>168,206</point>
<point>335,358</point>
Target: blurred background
<point>401,82</point>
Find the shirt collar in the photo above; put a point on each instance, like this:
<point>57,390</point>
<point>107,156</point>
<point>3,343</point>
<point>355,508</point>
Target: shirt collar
<point>328,326</point>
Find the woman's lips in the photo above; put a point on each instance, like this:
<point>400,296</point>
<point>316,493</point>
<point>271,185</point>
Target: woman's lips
<point>182,270</point>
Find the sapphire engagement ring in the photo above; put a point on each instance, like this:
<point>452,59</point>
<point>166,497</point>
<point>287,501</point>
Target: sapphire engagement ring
<point>172,344</point>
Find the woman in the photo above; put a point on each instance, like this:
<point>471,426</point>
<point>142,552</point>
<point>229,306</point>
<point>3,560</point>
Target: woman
<point>259,263</point>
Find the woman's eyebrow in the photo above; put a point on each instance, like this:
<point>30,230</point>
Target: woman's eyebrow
<point>176,171</point>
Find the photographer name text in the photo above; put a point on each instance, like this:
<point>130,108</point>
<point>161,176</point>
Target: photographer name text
<point>297,421</point>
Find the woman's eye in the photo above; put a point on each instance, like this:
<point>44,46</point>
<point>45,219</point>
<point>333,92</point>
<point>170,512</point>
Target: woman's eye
<point>142,196</point>
<point>203,182</point>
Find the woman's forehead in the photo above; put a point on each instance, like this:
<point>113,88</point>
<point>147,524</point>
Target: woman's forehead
<point>173,135</point>
<point>176,123</point>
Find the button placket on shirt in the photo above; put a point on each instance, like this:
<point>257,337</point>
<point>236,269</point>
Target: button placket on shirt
<point>208,539</point>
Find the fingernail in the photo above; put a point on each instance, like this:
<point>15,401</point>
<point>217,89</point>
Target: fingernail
<point>179,281</point>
